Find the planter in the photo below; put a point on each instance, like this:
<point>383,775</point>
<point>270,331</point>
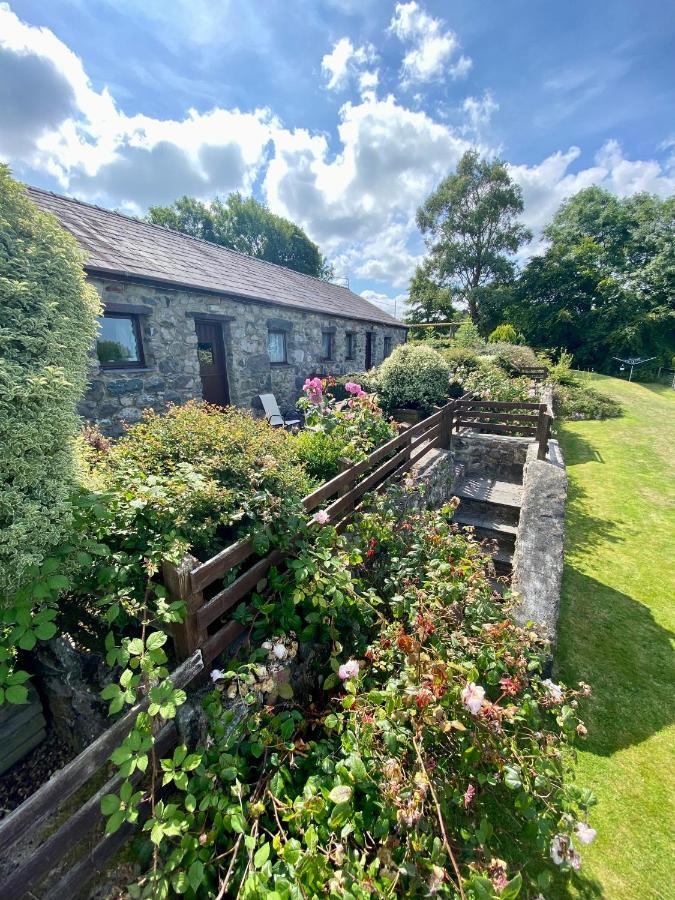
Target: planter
<point>409,416</point>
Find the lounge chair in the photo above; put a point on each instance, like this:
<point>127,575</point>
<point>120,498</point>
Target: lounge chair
<point>273,413</point>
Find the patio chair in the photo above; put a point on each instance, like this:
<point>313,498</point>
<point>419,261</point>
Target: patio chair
<point>273,413</point>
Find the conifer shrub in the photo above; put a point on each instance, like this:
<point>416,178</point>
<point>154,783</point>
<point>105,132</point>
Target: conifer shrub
<point>47,327</point>
<point>506,334</point>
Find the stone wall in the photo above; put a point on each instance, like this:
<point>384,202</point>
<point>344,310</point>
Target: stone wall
<point>538,558</point>
<point>489,454</point>
<point>171,372</point>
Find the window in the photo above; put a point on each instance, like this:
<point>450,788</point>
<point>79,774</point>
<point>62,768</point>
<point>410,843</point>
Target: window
<point>327,344</point>
<point>349,345</point>
<point>118,345</point>
<point>387,347</point>
<point>276,346</point>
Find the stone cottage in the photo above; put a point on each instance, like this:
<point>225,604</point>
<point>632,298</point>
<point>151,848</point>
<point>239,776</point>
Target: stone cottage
<point>184,318</point>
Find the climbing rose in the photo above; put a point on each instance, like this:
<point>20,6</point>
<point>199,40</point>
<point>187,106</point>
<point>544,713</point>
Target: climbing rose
<point>473,696</point>
<point>350,669</point>
<point>321,517</point>
<point>585,833</point>
<point>469,794</point>
<point>353,388</point>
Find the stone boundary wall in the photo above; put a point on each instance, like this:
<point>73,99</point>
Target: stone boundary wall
<point>118,396</point>
<point>538,558</point>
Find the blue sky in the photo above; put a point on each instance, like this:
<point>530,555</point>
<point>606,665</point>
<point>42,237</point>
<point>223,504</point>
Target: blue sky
<point>341,114</point>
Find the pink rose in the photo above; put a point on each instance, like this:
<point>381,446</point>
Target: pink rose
<point>320,517</point>
<point>473,697</point>
<point>350,669</point>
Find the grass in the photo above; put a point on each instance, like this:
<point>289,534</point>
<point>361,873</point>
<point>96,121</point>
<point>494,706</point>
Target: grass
<point>616,632</point>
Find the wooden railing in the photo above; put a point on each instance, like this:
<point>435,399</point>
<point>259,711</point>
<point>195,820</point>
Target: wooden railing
<point>192,581</point>
<point>537,373</point>
<point>515,418</point>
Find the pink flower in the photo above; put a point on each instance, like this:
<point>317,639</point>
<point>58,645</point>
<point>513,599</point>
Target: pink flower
<point>473,697</point>
<point>350,669</point>
<point>585,833</point>
<point>320,517</point>
<point>469,794</point>
<point>353,388</point>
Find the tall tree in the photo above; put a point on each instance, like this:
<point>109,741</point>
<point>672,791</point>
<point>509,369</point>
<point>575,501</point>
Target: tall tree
<point>427,301</point>
<point>471,228</point>
<point>606,284</point>
<point>244,224</point>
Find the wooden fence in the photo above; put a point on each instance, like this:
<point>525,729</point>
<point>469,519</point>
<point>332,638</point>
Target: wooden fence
<point>517,419</point>
<point>537,373</point>
<point>27,821</point>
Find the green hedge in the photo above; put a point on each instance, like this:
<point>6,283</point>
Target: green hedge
<point>414,376</point>
<point>47,327</point>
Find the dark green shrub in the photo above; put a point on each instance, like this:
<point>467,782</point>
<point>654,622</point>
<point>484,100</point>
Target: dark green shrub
<point>47,327</point>
<point>320,453</point>
<point>414,376</point>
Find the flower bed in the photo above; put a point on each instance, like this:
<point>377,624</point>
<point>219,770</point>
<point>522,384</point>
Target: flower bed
<point>432,757</point>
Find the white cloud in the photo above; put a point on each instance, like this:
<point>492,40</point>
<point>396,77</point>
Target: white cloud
<point>395,306</point>
<point>346,62</point>
<point>432,47</point>
<point>479,110</point>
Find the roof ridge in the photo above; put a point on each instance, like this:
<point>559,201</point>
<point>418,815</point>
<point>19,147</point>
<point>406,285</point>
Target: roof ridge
<point>191,237</point>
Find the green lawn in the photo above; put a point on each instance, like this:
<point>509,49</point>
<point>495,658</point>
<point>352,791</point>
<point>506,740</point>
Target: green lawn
<point>616,632</point>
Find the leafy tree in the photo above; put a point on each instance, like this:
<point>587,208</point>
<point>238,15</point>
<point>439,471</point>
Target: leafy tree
<point>244,224</point>
<point>47,328</point>
<point>427,301</point>
<point>470,224</point>
<point>606,283</point>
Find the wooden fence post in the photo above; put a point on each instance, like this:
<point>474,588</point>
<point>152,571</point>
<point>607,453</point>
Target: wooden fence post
<point>446,425</point>
<point>187,636</point>
<point>543,430</point>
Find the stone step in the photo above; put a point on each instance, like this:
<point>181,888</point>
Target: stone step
<point>484,523</point>
<point>488,490</point>
<point>503,561</point>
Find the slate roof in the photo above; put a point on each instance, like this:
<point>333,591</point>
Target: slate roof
<point>116,244</point>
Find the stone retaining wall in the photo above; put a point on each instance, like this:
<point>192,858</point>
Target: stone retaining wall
<point>538,558</point>
<point>489,454</point>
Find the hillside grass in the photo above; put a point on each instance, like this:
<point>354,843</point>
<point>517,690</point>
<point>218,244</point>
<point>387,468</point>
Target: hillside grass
<point>616,632</point>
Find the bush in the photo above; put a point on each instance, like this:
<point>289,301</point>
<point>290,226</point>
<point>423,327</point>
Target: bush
<point>47,328</point>
<point>505,334</point>
<point>414,376</point>
<point>467,335</point>
<point>561,372</point>
<point>512,357</point>
<point>249,471</point>
<point>490,382</point>
<point>320,453</point>
<point>576,401</point>
<point>460,356</point>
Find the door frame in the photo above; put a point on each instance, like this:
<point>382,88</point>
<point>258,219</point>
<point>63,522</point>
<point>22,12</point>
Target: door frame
<point>368,361</point>
<point>217,322</point>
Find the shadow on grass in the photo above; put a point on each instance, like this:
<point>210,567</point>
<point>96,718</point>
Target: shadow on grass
<point>577,449</point>
<point>612,641</point>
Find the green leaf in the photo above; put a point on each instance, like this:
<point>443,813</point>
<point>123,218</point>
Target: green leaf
<point>16,694</point>
<point>261,856</point>
<point>195,874</point>
<point>27,640</point>
<point>341,793</point>
<point>156,640</point>
<point>285,690</point>
<point>135,646</point>
<point>45,631</point>
<point>192,761</point>
<point>110,803</point>
<point>114,822</point>
<point>512,777</point>
<point>512,888</point>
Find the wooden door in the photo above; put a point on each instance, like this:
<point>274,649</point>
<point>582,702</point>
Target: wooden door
<point>212,364</point>
<point>369,350</point>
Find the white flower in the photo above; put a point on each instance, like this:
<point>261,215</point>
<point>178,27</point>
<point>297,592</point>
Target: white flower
<point>321,517</point>
<point>280,651</point>
<point>350,669</point>
<point>217,675</point>
<point>585,833</point>
<point>559,847</point>
<point>554,690</point>
<point>575,859</point>
<point>267,645</point>
<point>473,696</point>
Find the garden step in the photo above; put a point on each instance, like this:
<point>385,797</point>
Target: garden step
<point>484,522</point>
<point>488,490</point>
<point>503,561</point>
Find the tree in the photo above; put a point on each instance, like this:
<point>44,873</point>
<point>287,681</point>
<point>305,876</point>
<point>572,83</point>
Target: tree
<point>47,329</point>
<point>471,228</point>
<point>244,224</point>
<point>606,283</point>
<point>427,302</point>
